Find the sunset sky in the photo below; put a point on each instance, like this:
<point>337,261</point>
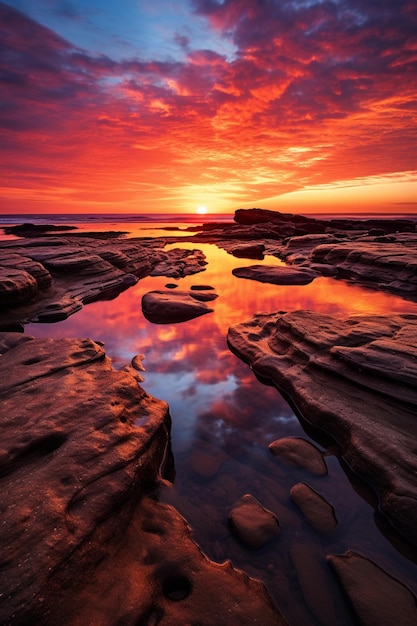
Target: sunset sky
<point>169,105</point>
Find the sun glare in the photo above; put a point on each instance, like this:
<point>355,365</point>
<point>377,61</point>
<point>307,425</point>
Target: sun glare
<point>201,210</point>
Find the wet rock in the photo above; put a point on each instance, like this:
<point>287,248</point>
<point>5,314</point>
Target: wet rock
<point>81,448</point>
<point>276,274</point>
<point>254,251</point>
<point>318,512</point>
<point>164,307</point>
<point>377,598</point>
<point>252,523</point>
<point>178,262</point>
<point>300,453</point>
<point>356,379</point>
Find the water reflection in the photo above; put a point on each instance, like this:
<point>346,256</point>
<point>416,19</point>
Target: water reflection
<point>224,419</point>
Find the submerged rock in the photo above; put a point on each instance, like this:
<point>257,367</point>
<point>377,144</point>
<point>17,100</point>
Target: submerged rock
<point>357,380</point>
<point>276,274</point>
<point>377,598</point>
<point>253,524</point>
<point>318,512</point>
<point>300,453</point>
<point>164,307</point>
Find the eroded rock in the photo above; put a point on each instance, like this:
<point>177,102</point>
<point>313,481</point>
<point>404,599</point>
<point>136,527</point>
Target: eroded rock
<point>252,523</point>
<point>357,380</point>
<point>164,307</point>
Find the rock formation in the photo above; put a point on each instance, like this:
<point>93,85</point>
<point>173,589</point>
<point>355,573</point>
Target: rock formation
<point>82,448</point>
<point>355,379</point>
<point>164,307</point>
<point>46,279</point>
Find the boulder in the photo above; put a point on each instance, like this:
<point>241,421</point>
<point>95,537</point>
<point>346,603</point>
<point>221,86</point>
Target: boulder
<point>165,307</point>
<point>318,512</point>
<point>300,453</point>
<point>252,523</point>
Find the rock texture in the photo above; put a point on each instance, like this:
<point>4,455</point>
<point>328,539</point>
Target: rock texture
<point>377,598</point>
<point>46,279</point>
<point>276,274</point>
<point>253,524</point>
<point>164,307</point>
<point>81,450</point>
<point>355,379</point>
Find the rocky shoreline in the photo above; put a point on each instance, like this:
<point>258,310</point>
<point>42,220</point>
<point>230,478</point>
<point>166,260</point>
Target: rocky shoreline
<point>80,495</point>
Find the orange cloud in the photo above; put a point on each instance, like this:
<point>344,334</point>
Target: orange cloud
<point>315,95</point>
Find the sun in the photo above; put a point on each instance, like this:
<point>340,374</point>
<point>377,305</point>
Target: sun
<point>201,210</point>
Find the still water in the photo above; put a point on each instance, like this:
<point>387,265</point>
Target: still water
<point>223,419</point>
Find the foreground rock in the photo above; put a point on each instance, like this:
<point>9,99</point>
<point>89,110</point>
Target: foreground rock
<point>357,380</point>
<point>46,279</point>
<point>252,523</point>
<point>81,449</point>
<point>377,598</point>
<point>276,274</point>
<point>164,307</point>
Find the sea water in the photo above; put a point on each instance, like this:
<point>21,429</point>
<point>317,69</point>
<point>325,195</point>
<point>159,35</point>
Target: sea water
<point>223,420</point>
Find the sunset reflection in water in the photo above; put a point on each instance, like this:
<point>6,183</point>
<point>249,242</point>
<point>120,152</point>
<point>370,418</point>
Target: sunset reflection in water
<point>224,419</point>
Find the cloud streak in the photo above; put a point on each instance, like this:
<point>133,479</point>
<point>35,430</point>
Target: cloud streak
<point>316,92</point>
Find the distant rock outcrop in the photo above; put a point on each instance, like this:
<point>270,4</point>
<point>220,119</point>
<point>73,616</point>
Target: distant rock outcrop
<point>276,274</point>
<point>357,380</point>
